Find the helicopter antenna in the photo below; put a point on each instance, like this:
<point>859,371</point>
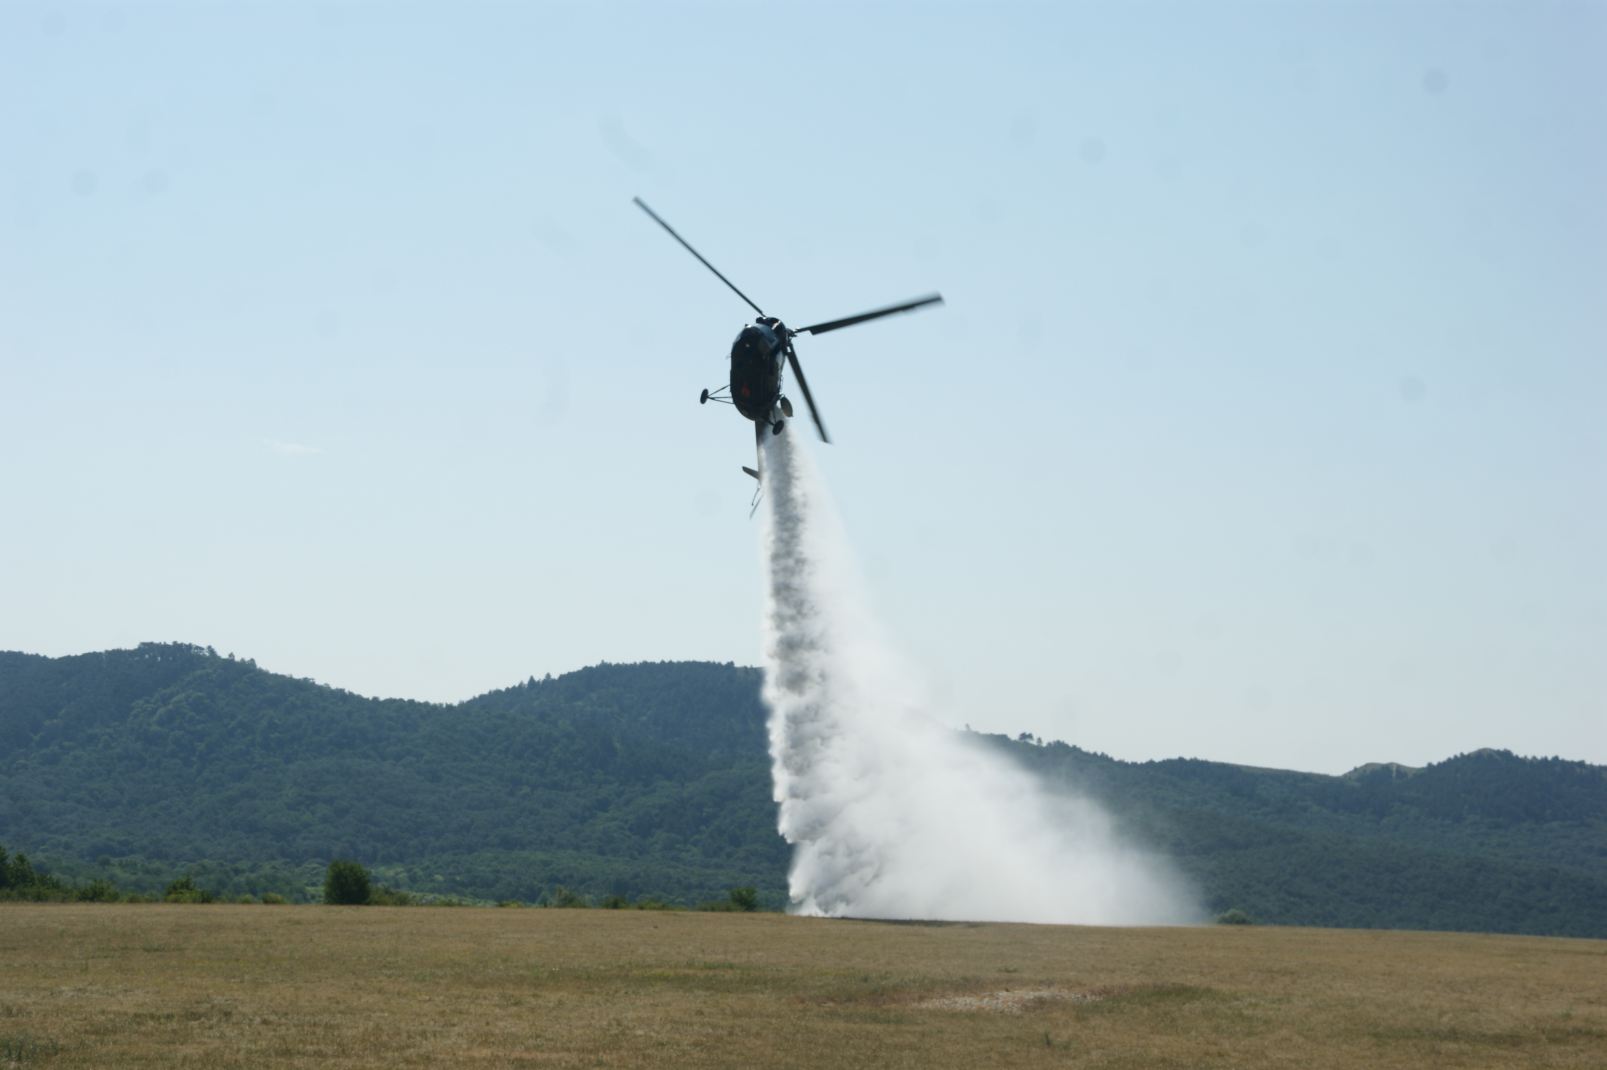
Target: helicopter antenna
<point>694,252</point>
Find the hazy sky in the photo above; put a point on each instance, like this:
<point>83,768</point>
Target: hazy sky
<point>1266,420</point>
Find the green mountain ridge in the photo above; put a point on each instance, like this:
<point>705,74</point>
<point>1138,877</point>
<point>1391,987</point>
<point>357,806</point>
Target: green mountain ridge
<point>653,780</point>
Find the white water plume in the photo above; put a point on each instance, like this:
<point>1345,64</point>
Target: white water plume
<point>891,814</point>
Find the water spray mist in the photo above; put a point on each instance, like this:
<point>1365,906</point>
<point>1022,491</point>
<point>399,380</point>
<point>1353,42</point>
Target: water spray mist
<point>891,814</point>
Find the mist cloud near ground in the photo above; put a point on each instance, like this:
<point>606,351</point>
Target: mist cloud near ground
<point>890,813</point>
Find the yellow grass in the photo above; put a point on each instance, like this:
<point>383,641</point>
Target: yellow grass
<point>256,986</point>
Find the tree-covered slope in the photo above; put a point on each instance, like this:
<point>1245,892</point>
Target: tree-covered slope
<point>1483,841</point>
<point>630,780</point>
<point>653,780</point>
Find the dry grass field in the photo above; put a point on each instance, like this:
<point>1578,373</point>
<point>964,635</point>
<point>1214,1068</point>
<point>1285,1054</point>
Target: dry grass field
<point>330,987</point>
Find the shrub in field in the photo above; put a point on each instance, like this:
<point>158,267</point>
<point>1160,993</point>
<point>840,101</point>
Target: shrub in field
<point>346,884</point>
<point>184,890</point>
<point>737,900</point>
<point>1233,917</point>
<point>382,896</point>
<point>98,891</point>
<point>563,897</point>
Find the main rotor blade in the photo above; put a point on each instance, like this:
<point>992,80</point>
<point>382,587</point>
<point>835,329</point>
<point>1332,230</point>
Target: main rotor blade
<point>809,399</point>
<point>697,254</point>
<point>832,325</point>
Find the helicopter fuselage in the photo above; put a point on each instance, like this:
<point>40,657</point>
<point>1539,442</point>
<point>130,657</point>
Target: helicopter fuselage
<point>757,358</point>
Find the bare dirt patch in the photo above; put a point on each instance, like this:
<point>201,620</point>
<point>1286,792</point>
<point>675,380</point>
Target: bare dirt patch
<point>1006,1000</point>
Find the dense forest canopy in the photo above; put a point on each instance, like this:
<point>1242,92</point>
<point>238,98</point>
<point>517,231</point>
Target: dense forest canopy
<point>653,780</point>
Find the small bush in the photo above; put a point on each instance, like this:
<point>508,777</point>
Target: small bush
<point>184,890</point>
<point>99,891</point>
<point>346,883</point>
<point>1233,917</point>
<point>564,898</point>
<point>382,896</point>
<point>745,898</point>
<point>614,902</point>
<point>273,899</point>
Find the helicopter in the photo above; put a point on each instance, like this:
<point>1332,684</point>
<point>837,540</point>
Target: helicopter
<point>759,352</point>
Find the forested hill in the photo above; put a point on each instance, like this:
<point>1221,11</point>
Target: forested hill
<point>653,780</point>
<point>628,779</point>
<point>1487,841</point>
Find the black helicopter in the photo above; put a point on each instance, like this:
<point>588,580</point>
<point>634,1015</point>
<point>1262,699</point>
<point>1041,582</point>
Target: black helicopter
<point>760,349</point>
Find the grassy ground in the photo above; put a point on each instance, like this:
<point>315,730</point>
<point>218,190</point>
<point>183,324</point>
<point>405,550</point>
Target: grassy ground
<point>254,986</point>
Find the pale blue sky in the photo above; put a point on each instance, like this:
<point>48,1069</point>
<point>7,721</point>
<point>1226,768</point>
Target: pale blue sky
<point>1264,422</point>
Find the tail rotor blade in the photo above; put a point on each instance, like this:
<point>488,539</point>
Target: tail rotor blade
<point>849,321</point>
<point>809,399</point>
<point>640,204</point>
